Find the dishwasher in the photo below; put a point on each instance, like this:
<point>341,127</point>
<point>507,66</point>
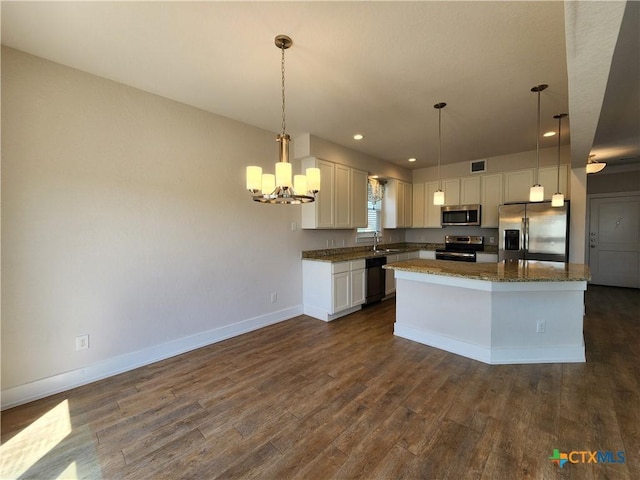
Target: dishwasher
<point>375,279</point>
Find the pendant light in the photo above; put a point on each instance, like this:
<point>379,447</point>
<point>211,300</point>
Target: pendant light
<point>536,193</point>
<point>558,198</point>
<point>593,166</point>
<point>278,188</point>
<point>438,195</point>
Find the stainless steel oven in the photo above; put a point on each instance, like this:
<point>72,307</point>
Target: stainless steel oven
<point>460,248</point>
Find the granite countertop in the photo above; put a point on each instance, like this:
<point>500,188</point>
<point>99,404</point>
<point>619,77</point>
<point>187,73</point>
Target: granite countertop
<point>357,253</point>
<point>507,271</point>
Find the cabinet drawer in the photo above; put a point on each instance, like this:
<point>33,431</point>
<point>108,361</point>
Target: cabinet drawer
<point>340,267</point>
<point>357,264</point>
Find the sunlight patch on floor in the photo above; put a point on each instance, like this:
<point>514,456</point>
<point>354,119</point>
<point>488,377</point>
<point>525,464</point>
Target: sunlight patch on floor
<point>24,450</point>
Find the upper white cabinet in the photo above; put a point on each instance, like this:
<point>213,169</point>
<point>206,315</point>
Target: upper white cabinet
<point>517,184</point>
<point>397,204</point>
<point>418,205</point>
<point>358,198</point>
<point>432,213</point>
<point>342,197</point>
<point>490,199</point>
<point>342,200</point>
<point>548,178</point>
<point>490,191</point>
<point>425,213</point>
<point>451,188</point>
<point>470,190</point>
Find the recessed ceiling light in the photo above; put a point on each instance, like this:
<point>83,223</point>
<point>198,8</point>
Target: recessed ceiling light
<point>358,136</point>
<point>549,134</point>
<point>412,160</point>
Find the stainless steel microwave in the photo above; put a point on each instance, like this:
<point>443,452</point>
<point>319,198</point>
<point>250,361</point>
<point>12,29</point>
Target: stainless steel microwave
<point>460,215</point>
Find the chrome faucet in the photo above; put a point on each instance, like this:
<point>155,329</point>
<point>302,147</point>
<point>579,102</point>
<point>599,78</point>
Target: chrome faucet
<point>375,241</point>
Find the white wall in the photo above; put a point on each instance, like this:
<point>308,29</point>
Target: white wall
<point>308,145</point>
<point>125,217</point>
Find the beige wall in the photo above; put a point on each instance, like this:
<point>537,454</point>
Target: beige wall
<point>502,163</point>
<point>125,217</point>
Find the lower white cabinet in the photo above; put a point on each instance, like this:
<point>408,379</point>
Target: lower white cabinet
<point>389,278</point>
<point>331,290</point>
<point>486,257</point>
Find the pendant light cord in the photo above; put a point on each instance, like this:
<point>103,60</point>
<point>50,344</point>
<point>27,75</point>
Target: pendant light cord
<point>558,163</point>
<point>538,143</point>
<point>439,106</point>
<point>284,123</point>
<point>439,146</point>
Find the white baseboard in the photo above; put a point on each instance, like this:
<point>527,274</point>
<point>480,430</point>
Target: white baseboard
<point>494,356</point>
<point>21,394</point>
<point>326,316</point>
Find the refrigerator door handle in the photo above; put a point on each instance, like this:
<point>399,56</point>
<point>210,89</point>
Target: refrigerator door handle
<point>525,234</point>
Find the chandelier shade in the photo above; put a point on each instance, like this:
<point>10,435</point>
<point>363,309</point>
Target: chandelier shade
<point>283,187</point>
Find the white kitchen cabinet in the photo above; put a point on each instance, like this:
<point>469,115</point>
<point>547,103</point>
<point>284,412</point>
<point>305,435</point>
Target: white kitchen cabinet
<point>358,198</point>
<point>342,200</point>
<point>320,214</point>
<point>342,196</point>
<point>389,280</point>
<point>469,190</point>
<point>408,205</point>
<point>397,204</point>
<point>517,184</point>
<point>340,299</point>
<point>358,279</point>
<point>427,254</point>
<point>418,206</point>
<point>332,290</point>
<point>548,178</point>
<point>451,188</point>
<point>432,213</point>
<point>486,257</point>
<point>490,200</point>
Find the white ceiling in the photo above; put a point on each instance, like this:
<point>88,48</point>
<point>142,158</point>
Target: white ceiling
<point>375,68</point>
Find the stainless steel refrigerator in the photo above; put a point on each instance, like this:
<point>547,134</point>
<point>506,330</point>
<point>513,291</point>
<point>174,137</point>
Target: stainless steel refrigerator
<point>534,231</point>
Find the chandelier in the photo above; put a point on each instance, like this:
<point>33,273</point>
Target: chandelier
<point>278,188</point>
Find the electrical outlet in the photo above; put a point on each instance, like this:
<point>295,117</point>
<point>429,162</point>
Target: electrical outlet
<point>82,342</point>
<point>541,326</point>
<point>492,240</point>
<point>274,297</point>
<point>294,226</point>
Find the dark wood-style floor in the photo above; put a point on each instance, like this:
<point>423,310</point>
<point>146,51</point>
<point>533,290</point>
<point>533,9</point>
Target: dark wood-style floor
<point>310,400</point>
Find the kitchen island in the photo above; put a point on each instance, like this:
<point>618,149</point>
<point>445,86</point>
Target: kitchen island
<point>499,313</point>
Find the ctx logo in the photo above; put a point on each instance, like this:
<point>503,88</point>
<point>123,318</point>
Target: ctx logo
<point>584,456</point>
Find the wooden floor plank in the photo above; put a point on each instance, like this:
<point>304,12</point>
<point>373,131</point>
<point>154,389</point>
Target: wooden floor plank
<point>306,399</point>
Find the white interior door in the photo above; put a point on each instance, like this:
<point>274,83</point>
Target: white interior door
<point>614,241</point>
